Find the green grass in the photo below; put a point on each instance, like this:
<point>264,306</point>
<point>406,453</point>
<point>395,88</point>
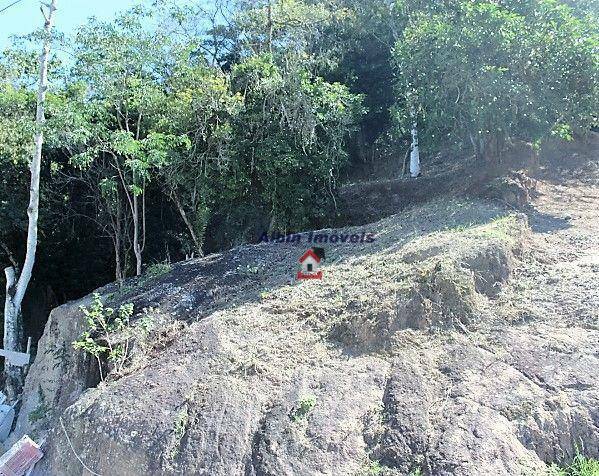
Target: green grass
<point>306,404</point>
<point>580,466</point>
<point>158,269</point>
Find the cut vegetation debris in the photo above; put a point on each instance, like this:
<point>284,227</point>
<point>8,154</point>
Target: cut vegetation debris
<point>411,352</point>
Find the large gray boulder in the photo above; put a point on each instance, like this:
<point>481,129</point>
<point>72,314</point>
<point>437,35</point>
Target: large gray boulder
<point>404,358</point>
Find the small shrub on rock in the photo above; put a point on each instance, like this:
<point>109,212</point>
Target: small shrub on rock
<point>108,333</point>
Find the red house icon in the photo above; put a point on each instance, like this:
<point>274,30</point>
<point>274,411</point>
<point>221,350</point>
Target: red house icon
<point>310,262</point>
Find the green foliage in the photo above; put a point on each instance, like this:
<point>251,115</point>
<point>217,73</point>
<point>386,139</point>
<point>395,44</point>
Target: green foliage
<point>303,409</point>
<point>16,147</point>
<point>107,333</point>
<point>41,411</point>
<point>291,140</point>
<point>481,73</point>
<point>372,468</point>
<point>201,110</point>
<point>179,429</point>
<point>158,269</point>
<point>376,468</point>
<point>580,466</point>
<point>181,424</point>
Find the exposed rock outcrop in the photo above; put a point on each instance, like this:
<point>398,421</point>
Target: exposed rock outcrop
<point>409,355</point>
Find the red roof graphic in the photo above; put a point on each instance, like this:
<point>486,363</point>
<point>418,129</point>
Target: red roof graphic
<point>308,253</point>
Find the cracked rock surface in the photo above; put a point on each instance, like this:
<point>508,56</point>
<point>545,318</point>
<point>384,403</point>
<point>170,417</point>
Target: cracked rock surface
<point>463,341</point>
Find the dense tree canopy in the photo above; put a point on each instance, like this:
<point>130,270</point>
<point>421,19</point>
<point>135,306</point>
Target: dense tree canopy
<point>483,73</point>
<point>189,127</point>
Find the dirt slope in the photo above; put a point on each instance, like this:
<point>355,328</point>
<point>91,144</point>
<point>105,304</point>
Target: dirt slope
<point>462,341</point>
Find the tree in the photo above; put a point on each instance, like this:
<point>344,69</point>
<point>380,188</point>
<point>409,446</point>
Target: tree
<point>486,73</point>
<point>123,67</point>
<point>16,130</point>
<point>201,109</point>
<point>18,280</point>
<point>355,49</point>
<point>291,136</point>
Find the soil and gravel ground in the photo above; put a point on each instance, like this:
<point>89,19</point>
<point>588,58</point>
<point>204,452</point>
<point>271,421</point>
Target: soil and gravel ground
<point>559,280</point>
<point>462,341</point>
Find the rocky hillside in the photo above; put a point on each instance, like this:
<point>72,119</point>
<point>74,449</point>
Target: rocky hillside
<point>461,341</point>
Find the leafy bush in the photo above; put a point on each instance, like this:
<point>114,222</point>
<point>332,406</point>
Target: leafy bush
<point>304,407</point>
<point>481,73</point>
<point>108,333</point>
<point>580,466</point>
<point>156,270</point>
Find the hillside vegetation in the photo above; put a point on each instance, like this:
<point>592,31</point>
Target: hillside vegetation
<point>461,341</point>
<point>436,161</point>
<point>185,128</point>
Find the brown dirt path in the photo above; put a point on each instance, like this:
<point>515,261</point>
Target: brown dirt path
<point>558,280</point>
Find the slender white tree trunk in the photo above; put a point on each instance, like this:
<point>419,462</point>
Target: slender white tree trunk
<point>15,289</point>
<point>136,240</point>
<point>415,151</point>
<point>12,326</point>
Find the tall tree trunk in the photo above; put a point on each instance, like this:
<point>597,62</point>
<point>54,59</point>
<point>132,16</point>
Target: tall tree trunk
<point>188,224</point>
<point>15,290</point>
<point>118,267</point>
<point>118,234</point>
<point>136,241</point>
<point>12,325</point>
<point>415,151</point>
